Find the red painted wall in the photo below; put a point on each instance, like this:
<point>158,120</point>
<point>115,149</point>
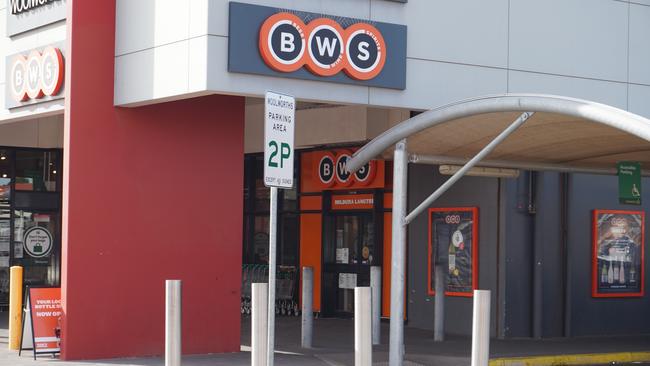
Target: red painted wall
<point>150,193</point>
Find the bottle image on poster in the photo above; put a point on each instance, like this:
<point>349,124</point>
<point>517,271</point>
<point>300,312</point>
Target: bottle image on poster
<point>453,244</point>
<point>618,253</point>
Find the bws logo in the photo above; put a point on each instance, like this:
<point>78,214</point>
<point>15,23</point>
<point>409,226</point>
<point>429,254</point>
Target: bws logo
<point>37,75</point>
<point>333,171</point>
<point>286,44</point>
<point>452,219</point>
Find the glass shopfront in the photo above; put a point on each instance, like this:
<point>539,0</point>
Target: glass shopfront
<point>30,216</point>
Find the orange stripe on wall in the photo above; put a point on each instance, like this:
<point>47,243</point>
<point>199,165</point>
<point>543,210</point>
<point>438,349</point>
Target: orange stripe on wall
<point>311,203</point>
<point>388,200</point>
<point>310,249</point>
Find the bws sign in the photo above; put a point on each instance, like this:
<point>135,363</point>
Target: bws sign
<point>322,46</point>
<point>302,45</point>
<point>331,171</point>
<point>35,77</point>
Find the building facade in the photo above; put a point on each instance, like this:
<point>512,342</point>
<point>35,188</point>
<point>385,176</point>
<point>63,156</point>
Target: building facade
<point>132,132</point>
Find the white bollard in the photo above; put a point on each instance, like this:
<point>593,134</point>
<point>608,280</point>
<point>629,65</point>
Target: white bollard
<point>481,328</point>
<point>362,326</point>
<point>173,313</point>
<point>259,323</point>
<point>307,307</point>
<point>375,285</point>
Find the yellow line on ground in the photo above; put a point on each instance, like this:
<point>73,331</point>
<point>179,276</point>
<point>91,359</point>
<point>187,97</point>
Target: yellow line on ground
<point>581,359</point>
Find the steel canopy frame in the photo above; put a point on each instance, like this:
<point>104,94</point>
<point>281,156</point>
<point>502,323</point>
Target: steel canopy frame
<point>527,104</point>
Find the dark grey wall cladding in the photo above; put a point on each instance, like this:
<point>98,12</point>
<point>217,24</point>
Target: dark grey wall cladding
<point>591,316</point>
<point>518,257</point>
<point>469,191</point>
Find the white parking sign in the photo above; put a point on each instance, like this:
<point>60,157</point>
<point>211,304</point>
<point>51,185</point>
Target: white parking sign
<point>279,123</point>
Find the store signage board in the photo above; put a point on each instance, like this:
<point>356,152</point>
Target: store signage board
<point>295,44</point>
<point>42,321</point>
<point>35,76</point>
<point>25,15</point>
<point>279,128</point>
<point>629,182</point>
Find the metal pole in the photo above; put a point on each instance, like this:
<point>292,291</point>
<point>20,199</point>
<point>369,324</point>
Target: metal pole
<point>307,307</point>
<point>272,255</point>
<point>259,323</point>
<point>481,328</point>
<point>470,164</point>
<point>375,285</point>
<point>398,258</point>
<point>439,305</point>
<point>362,326</point>
<point>173,322</point>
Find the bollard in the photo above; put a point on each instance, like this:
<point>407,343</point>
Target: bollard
<point>362,326</point>
<point>375,285</point>
<point>259,323</point>
<point>173,309</point>
<point>307,306</point>
<point>439,303</point>
<point>481,328</point>
<point>15,307</point>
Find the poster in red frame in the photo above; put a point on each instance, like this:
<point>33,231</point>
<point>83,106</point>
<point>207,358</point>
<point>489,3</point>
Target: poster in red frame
<point>618,253</point>
<point>455,230</point>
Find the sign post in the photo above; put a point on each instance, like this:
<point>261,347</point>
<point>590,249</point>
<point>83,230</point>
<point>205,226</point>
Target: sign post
<point>279,118</point>
<point>629,182</point>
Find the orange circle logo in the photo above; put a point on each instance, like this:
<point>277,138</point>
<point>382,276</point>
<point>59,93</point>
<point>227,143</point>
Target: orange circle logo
<point>37,75</point>
<point>287,44</point>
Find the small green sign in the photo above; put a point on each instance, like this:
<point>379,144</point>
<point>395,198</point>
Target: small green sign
<point>629,182</point>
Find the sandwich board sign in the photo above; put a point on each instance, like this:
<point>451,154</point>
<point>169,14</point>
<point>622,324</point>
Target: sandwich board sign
<point>279,128</point>
<point>42,321</point>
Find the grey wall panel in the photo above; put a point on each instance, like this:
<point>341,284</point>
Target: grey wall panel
<point>590,316</point>
<point>639,100</point>
<point>519,256</point>
<point>585,38</point>
<point>465,31</point>
<point>431,84</point>
<point>548,227</point>
<point>639,50</point>
<point>469,191</point>
<point>612,93</point>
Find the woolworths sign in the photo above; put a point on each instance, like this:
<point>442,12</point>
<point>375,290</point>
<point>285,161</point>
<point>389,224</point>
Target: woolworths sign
<point>25,15</point>
<point>21,6</point>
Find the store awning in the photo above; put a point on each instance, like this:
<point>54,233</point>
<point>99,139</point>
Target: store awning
<point>564,134</point>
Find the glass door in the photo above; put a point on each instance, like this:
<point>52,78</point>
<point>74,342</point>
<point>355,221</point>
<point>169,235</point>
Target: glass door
<point>348,252</point>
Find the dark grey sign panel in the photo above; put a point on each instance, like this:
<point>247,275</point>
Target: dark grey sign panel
<point>28,17</point>
<point>244,54</point>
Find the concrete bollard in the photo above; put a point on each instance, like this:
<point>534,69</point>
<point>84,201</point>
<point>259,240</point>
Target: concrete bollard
<point>375,285</point>
<point>15,307</point>
<point>362,326</point>
<point>259,323</point>
<point>173,324</point>
<point>481,328</point>
<point>307,307</point>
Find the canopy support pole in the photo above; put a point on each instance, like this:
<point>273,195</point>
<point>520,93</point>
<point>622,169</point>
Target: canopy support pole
<point>398,258</point>
<point>470,164</point>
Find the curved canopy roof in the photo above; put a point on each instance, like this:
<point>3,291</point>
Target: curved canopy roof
<point>567,133</point>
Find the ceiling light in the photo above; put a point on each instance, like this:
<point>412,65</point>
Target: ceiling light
<point>481,171</point>
<point>3,157</point>
<point>53,171</point>
<point>4,176</point>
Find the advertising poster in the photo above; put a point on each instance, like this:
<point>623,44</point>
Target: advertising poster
<point>618,253</point>
<point>43,322</point>
<point>453,243</point>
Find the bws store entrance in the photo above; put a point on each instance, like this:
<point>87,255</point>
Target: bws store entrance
<point>352,243</point>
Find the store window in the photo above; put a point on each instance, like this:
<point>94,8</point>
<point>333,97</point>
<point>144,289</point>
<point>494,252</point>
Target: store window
<point>256,218</point>
<point>36,171</point>
<point>30,216</point>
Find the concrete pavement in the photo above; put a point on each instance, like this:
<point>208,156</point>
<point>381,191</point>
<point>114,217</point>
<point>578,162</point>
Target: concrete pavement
<point>334,346</point>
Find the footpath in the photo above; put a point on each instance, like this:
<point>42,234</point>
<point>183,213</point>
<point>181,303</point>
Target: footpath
<point>334,346</point>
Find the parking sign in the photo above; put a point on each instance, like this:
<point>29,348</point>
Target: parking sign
<point>279,123</point>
